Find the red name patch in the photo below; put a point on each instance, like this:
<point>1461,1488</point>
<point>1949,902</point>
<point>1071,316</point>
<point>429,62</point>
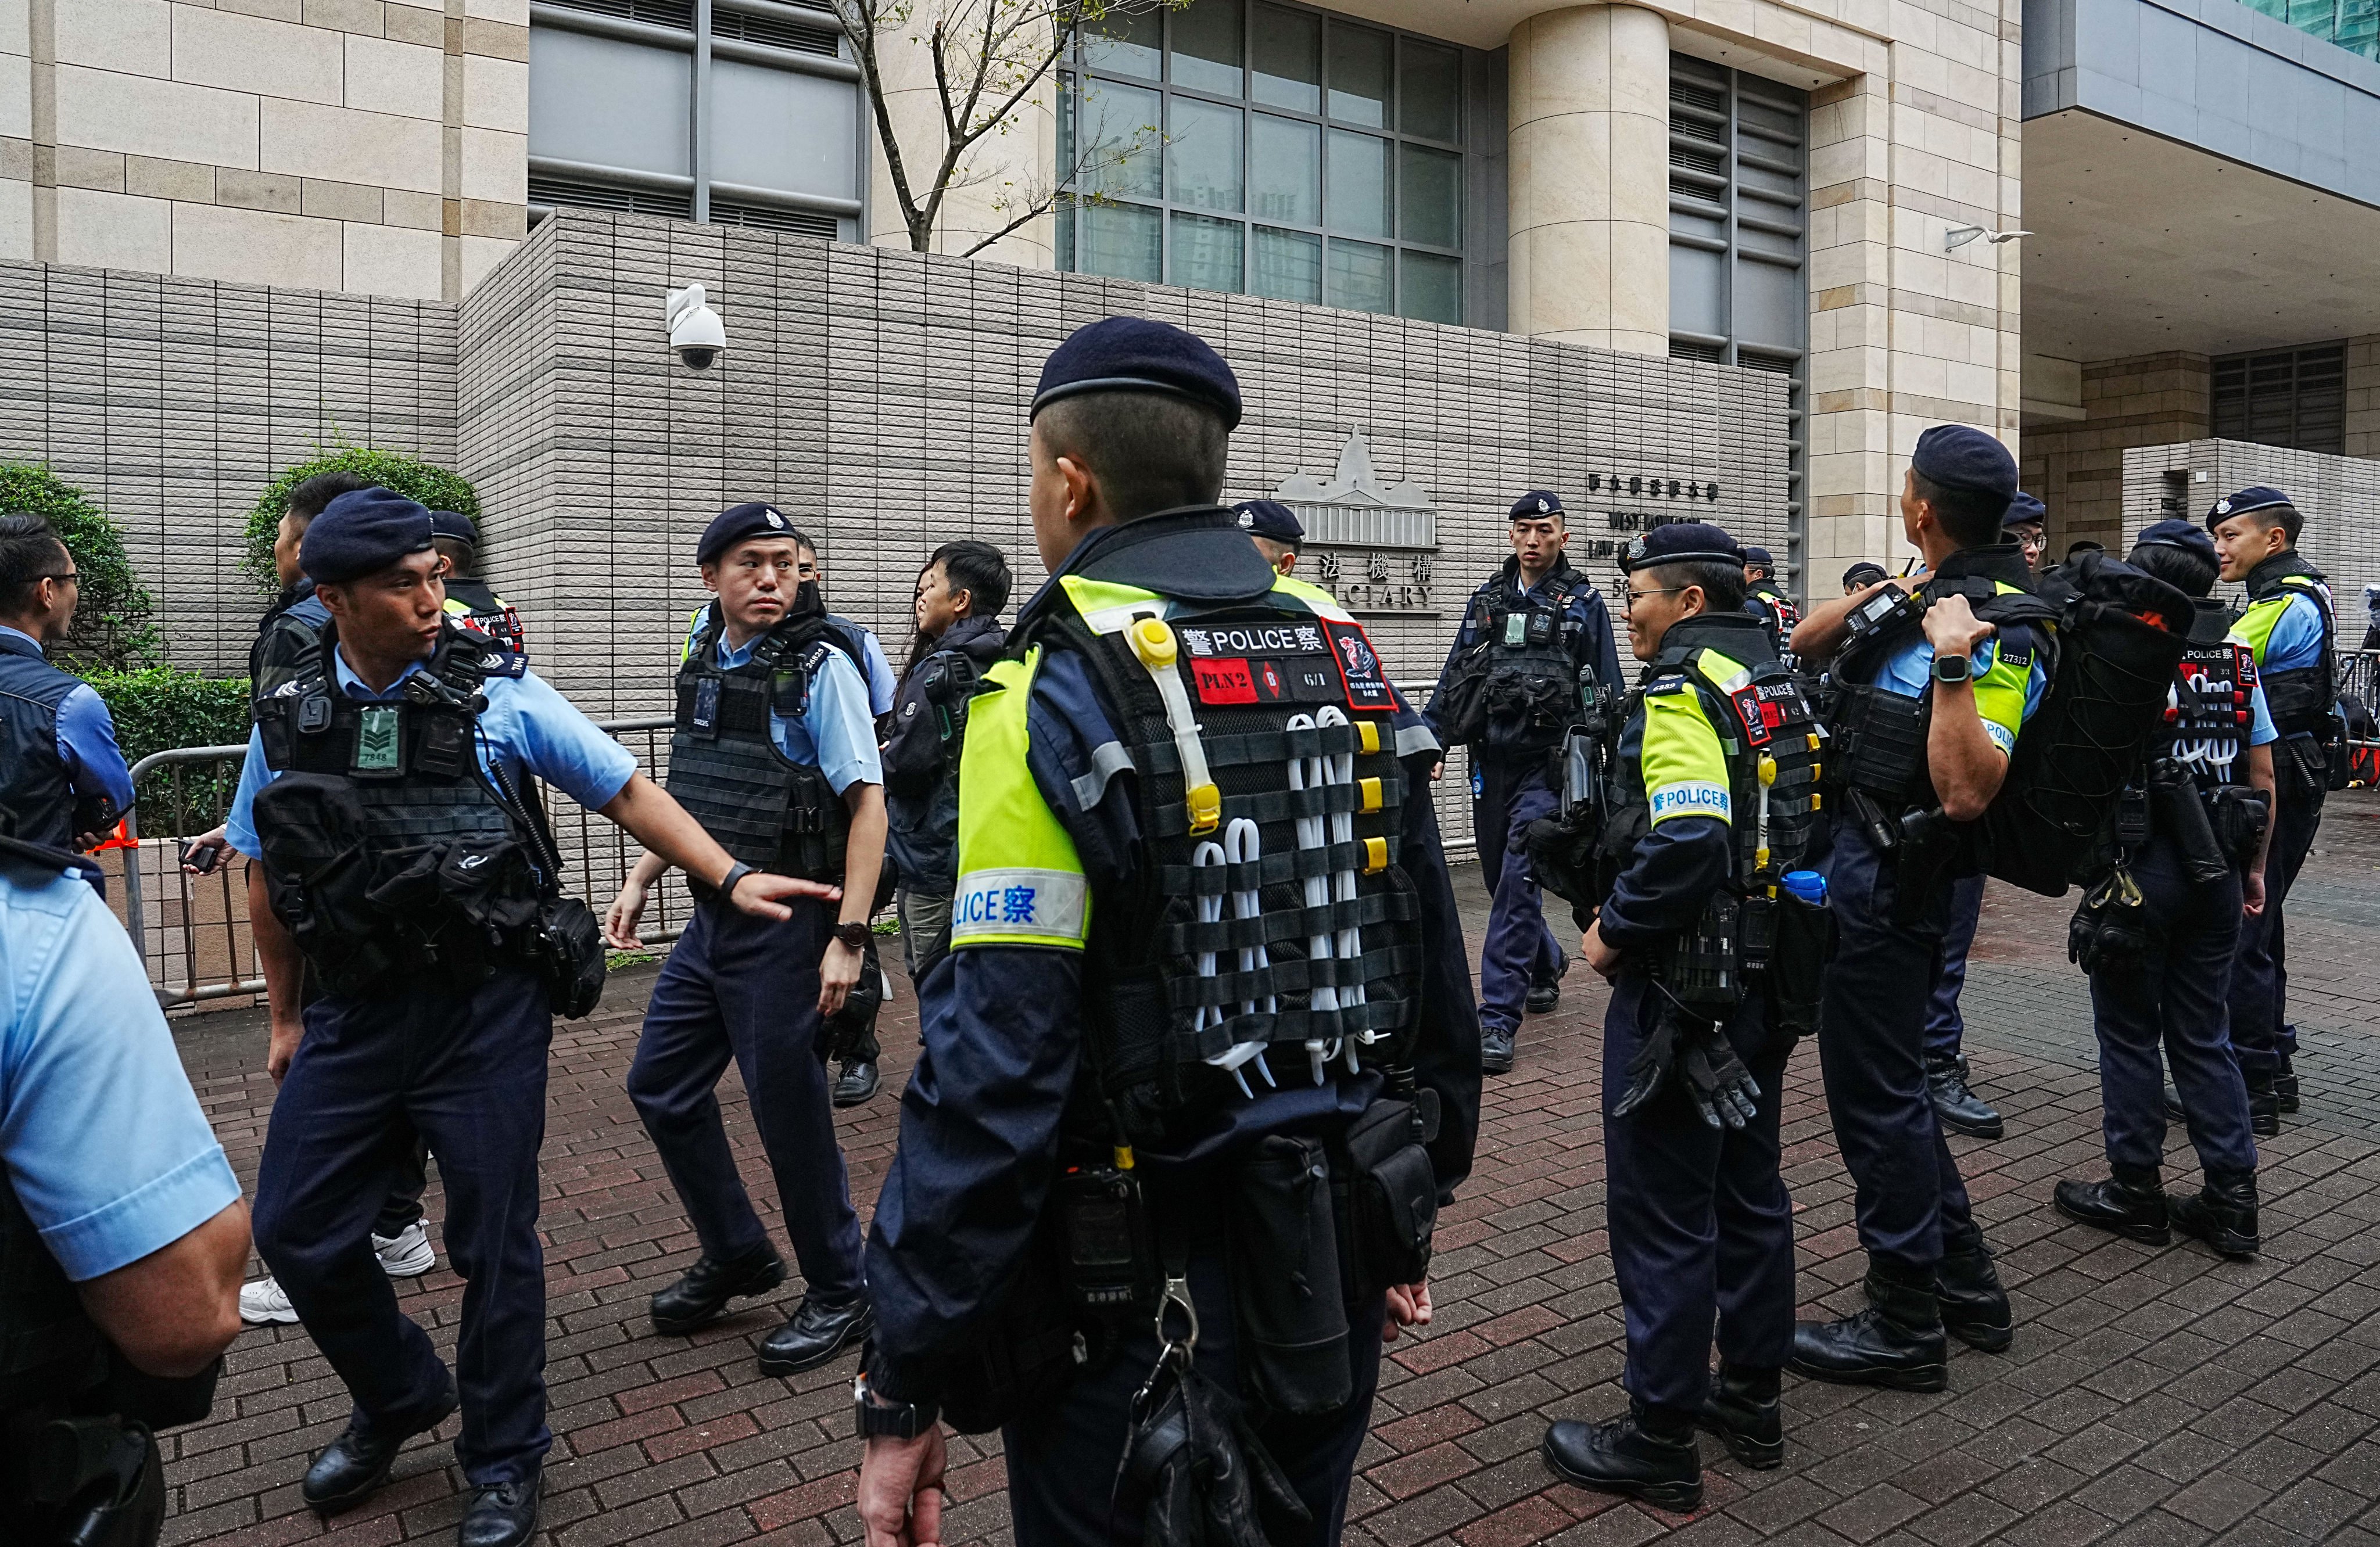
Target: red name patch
<point>1223,682</point>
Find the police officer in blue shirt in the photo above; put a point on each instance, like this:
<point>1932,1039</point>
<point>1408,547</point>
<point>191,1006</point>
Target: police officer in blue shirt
<point>1535,640</point>
<point>1276,531</point>
<point>2287,623</point>
<point>401,870</point>
<point>122,1233</point>
<point>63,783</point>
<point>2200,872</point>
<point>776,755</point>
<point>1928,702</point>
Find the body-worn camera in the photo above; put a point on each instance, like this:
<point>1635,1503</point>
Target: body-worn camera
<point>1111,1264</point>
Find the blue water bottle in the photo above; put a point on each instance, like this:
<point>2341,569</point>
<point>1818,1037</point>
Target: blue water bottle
<point>1808,884</point>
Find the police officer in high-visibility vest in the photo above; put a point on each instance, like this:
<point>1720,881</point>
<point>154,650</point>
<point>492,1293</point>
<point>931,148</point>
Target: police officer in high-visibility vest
<point>1533,659</point>
<point>63,783</point>
<point>1716,806</point>
<point>1764,601</point>
<point>1276,531</point>
<point>2205,799</point>
<point>402,870</point>
<point>1928,702</point>
<point>1202,1059</point>
<point>2287,623</point>
<point>470,600</point>
<point>776,755</point>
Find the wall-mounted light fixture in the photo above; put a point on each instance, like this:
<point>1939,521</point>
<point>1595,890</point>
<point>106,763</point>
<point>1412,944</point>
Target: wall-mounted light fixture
<point>1957,236</point>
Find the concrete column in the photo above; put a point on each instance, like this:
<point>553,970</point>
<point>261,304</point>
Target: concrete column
<point>1590,178</point>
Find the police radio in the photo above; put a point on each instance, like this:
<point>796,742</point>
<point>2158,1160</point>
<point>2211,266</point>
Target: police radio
<point>1889,606</point>
<point>1111,1264</point>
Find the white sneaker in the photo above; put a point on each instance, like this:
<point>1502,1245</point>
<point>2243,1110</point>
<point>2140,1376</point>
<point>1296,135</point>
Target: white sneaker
<point>264,1303</point>
<point>407,1254</point>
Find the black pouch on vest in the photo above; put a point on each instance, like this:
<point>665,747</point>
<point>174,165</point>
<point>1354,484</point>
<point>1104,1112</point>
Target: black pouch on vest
<point>567,950</point>
<point>1391,1199</point>
<point>1797,968</point>
<point>2238,814</point>
<point>1285,1288</point>
<point>2301,768</point>
<point>317,875</point>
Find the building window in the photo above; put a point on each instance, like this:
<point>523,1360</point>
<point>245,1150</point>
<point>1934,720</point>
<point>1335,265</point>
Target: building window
<point>1245,146</point>
<point>2353,25</point>
<point>739,112</point>
<point>2284,397</point>
<point>1739,289</point>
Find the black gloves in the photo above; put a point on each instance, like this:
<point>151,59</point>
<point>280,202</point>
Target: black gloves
<point>1202,1469</point>
<point>2109,933</point>
<point>1651,1065</point>
<point>1697,1052</point>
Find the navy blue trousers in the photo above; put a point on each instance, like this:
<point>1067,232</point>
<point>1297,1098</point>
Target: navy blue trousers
<point>746,988</point>
<point>1945,1027</point>
<point>2260,977</point>
<point>1061,1463</point>
<point>1519,952</point>
<point>464,1068</point>
<point>1909,1200</point>
<point>2176,1000</point>
<point>1700,1223</point>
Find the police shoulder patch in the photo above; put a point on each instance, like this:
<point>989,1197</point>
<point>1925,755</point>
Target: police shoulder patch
<point>494,660</point>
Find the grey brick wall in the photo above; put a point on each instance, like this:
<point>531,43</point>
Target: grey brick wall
<point>172,402</point>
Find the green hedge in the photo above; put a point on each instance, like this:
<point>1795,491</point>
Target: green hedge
<point>160,708</point>
<point>410,476</point>
<point>112,629</point>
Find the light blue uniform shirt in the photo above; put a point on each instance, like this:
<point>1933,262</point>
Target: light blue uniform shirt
<point>835,732</point>
<point>2261,729</point>
<point>2297,638</point>
<point>882,687</point>
<point>1908,671</point>
<point>532,728</point>
<point>103,1141</point>
<point>87,743</point>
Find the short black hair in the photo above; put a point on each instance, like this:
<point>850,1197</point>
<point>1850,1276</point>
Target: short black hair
<point>2081,546</point>
<point>460,556</point>
<point>1149,451</point>
<point>313,497</point>
<point>28,550</point>
<point>1722,583</point>
<point>2190,573</point>
<point>980,570</point>
<point>2285,517</point>
<point>1970,517</point>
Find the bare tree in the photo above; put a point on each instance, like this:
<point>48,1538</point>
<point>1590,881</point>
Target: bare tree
<point>989,59</point>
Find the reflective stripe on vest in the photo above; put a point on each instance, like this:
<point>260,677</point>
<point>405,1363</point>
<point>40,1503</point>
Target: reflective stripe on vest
<point>1021,881</point>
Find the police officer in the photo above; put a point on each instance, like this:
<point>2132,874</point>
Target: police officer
<point>403,746</point>
<point>1694,1066</point>
<point>2201,869</point>
<point>122,1232</point>
<point>1929,697</point>
<point>1535,641</point>
<point>1181,1010</point>
<point>63,783</point>
<point>470,600</point>
<point>776,755</point>
<point>1956,1104</point>
<point>1861,575</point>
<point>2287,623</point>
<point>1766,602</point>
<point>959,636</point>
<point>1276,531</point>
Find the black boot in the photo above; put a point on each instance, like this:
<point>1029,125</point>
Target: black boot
<point>2223,1214</point>
<point>2174,1110</point>
<point>1959,1108</point>
<point>1546,992</point>
<point>2263,1104</point>
<point>857,1083</point>
<point>1897,1342</point>
<point>697,1299</point>
<point>815,1334</point>
<point>1742,1410</point>
<point>1495,1051</point>
<point>1649,1454</point>
<point>2285,1086</point>
<point>350,1469</point>
<point>1974,1308</point>
<point>501,1515</point>
<point>2132,1205</point>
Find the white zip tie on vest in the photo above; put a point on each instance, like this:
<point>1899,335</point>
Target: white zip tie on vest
<point>1242,846</point>
<point>1340,770</point>
<point>1210,910</point>
<point>1305,773</point>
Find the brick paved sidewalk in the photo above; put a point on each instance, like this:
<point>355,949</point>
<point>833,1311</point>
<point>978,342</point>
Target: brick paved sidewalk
<point>2154,1396</point>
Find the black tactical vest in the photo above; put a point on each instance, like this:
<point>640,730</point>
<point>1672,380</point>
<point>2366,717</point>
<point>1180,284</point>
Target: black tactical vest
<point>1776,615</point>
<point>36,801</point>
<point>49,1346</point>
<point>1534,651</point>
<point>487,612</point>
<point>2300,697</point>
<point>2212,712</point>
<point>725,768</point>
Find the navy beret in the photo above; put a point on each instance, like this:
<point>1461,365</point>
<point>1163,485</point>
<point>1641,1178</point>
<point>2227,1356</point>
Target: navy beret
<point>1134,354</point>
<point>456,525</point>
<point>1678,542</point>
<point>1270,518</point>
<point>1865,572</point>
<point>736,523</point>
<point>362,532</point>
<point>1760,556</point>
<point>1535,503</point>
<point>2179,534</point>
<point>2255,497</point>
<point>2024,509</point>
<point>1960,456</point>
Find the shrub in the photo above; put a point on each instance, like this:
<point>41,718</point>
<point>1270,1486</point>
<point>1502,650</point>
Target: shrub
<point>112,631</point>
<point>158,708</point>
<point>409,476</point>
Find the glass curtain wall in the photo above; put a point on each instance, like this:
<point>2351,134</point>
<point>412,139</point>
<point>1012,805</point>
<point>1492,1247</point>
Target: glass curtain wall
<point>1244,146</point>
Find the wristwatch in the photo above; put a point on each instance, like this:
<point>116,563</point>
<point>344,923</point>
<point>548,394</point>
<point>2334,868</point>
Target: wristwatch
<point>1953,669</point>
<point>852,935</point>
<point>735,872</point>
<point>898,1421</point>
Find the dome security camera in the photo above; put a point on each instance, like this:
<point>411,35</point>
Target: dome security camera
<point>694,331</point>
